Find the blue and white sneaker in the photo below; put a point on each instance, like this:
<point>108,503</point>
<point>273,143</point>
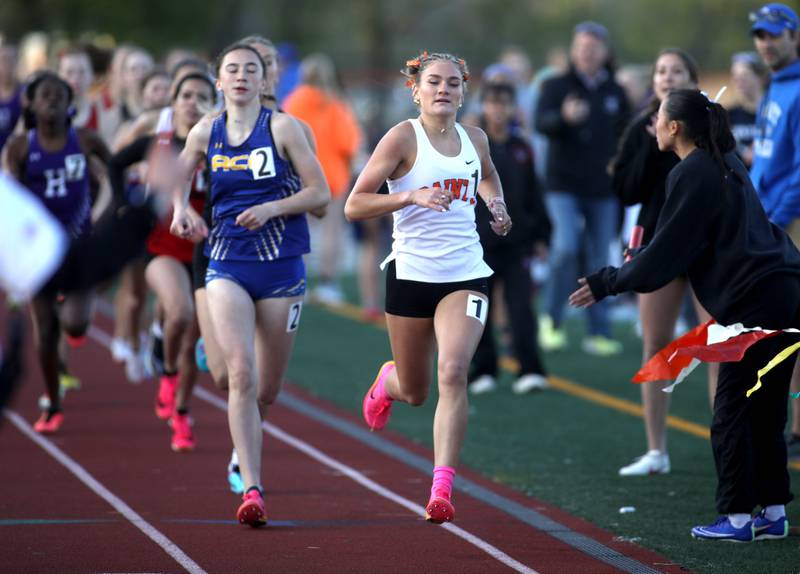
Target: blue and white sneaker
<point>722,529</point>
<point>234,475</point>
<point>765,529</point>
<point>200,356</point>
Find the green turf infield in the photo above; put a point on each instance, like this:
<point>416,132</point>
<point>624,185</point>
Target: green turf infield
<point>561,448</point>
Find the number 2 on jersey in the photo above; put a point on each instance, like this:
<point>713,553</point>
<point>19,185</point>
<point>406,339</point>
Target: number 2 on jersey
<point>262,163</point>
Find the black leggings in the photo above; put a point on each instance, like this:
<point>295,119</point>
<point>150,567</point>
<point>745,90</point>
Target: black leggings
<point>511,269</point>
<point>747,433</point>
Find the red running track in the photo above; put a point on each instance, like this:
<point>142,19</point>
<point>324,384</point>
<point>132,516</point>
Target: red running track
<point>167,512</point>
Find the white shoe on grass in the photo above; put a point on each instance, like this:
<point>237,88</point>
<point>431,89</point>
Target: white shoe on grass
<point>528,383</point>
<point>483,384</point>
<point>652,462</point>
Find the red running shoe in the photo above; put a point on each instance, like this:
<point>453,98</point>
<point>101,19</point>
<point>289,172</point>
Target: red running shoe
<point>165,399</point>
<point>439,510</point>
<point>49,423</point>
<point>252,511</point>
<point>182,437</point>
<point>377,411</point>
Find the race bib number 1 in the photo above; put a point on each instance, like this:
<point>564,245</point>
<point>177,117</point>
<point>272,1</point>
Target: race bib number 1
<point>477,307</point>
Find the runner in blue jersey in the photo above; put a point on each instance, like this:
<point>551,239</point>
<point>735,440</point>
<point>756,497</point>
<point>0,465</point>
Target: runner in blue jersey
<point>256,279</point>
<point>10,92</point>
<point>55,162</point>
<point>208,350</point>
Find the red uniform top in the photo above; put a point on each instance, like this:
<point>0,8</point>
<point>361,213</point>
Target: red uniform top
<point>161,241</point>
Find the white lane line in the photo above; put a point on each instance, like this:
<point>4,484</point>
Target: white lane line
<point>369,484</point>
<point>95,486</point>
<point>104,339</point>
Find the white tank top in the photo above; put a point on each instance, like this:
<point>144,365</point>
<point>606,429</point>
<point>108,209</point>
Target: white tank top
<point>433,246</point>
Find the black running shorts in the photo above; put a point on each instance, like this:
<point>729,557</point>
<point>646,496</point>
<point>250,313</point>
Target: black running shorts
<point>419,299</point>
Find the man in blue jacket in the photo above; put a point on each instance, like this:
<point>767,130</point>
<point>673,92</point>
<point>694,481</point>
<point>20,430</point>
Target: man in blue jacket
<point>776,152</point>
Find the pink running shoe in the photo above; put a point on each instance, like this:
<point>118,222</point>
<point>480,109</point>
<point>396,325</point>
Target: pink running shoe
<point>49,423</point>
<point>377,411</point>
<point>182,437</point>
<point>165,399</point>
<point>252,510</point>
<point>439,510</point>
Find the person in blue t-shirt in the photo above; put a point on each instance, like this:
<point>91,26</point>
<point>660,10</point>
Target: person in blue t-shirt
<point>776,150</point>
<point>256,278</point>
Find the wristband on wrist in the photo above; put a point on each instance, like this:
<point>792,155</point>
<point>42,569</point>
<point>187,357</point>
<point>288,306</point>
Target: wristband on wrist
<point>494,201</point>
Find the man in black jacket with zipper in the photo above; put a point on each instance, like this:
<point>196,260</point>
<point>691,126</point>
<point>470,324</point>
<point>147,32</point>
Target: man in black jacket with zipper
<point>582,113</point>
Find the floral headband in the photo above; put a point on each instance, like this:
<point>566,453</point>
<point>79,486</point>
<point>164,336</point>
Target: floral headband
<point>413,67</point>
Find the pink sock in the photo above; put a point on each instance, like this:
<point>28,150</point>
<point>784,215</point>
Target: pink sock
<point>443,481</point>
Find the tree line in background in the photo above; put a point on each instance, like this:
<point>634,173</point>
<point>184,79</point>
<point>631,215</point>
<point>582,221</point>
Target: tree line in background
<point>376,36</point>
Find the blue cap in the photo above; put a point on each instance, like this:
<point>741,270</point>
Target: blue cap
<point>773,18</point>
<point>588,27</point>
<point>494,70</point>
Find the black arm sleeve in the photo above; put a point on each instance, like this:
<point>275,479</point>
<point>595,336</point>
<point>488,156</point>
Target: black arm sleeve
<point>11,363</point>
<point>100,255</point>
<point>681,234</point>
<point>122,160</point>
<point>634,167</point>
<point>534,205</point>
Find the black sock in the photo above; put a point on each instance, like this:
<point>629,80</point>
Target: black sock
<point>183,411</point>
<point>261,492</point>
<point>158,348</point>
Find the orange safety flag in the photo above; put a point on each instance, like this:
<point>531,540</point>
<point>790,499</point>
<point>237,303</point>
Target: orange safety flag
<point>730,351</point>
<point>667,364</point>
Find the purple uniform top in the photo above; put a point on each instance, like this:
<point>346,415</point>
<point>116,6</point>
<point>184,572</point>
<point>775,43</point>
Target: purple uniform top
<point>10,111</point>
<point>61,181</point>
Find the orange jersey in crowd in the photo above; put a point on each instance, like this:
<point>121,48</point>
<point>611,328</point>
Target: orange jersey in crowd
<point>335,129</point>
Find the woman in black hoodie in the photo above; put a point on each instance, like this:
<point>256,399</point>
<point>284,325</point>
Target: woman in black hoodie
<point>743,269</point>
<point>639,175</point>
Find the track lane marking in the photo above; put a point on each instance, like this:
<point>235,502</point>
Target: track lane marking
<point>580,542</point>
<point>95,486</point>
<point>368,483</point>
<point>104,339</point>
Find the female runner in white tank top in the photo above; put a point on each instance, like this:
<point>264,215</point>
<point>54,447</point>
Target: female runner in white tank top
<point>436,280</point>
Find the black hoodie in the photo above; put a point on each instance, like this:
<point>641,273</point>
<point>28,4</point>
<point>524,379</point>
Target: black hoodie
<point>715,230</point>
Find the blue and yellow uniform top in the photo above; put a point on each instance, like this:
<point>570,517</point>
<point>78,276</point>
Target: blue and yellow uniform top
<point>244,176</point>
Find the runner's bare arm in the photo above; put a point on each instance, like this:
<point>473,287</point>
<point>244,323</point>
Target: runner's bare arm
<point>143,125</point>
<point>13,157</point>
<point>312,142</point>
<point>489,188</point>
<point>395,151</point>
<point>186,222</point>
<point>291,143</point>
<point>393,157</point>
